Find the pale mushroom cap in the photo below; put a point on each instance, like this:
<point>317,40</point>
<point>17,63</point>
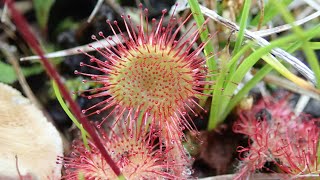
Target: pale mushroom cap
<point>26,133</point>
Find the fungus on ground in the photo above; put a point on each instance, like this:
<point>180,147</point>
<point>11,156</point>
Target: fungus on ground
<point>29,143</point>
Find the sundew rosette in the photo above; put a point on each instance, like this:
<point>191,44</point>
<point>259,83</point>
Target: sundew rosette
<point>134,150</point>
<point>153,73</point>
<point>276,134</point>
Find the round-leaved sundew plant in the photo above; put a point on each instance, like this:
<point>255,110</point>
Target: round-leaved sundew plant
<point>153,73</point>
<point>276,134</point>
<point>135,151</point>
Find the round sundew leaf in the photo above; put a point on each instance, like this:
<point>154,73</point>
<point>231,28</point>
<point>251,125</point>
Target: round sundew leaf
<point>152,74</point>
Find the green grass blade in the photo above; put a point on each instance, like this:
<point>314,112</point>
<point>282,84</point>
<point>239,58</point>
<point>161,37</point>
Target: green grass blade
<point>246,88</point>
<point>211,63</point>
<point>197,15</point>
<point>313,61</point>
<point>84,137</point>
<point>216,97</point>
<point>64,106</point>
<point>220,83</point>
<point>236,57</point>
<point>277,65</point>
<point>243,25</point>
<point>42,11</point>
<point>315,45</point>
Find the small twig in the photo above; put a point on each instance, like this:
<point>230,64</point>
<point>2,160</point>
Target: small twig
<point>267,32</point>
<point>301,104</point>
<point>4,13</point>
<point>261,85</point>
<point>6,50</point>
<point>17,167</point>
<point>313,93</point>
<point>5,19</point>
<point>296,4</point>
<point>313,4</point>
<point>311,175</point>
<point>219,177</point>
<point>23,6</point>
<point>75,50</point>
<point>95,10</point>
<point>305,12</point>
<point>261,6</point>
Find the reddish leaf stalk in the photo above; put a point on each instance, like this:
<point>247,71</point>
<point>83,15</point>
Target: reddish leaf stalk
<point>31,40</point>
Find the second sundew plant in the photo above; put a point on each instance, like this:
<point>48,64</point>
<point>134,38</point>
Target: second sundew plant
<point>135,151</point>
<point>275,134</point>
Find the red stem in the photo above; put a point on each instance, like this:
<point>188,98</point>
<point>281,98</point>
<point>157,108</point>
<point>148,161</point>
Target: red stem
<point>23,28</point>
